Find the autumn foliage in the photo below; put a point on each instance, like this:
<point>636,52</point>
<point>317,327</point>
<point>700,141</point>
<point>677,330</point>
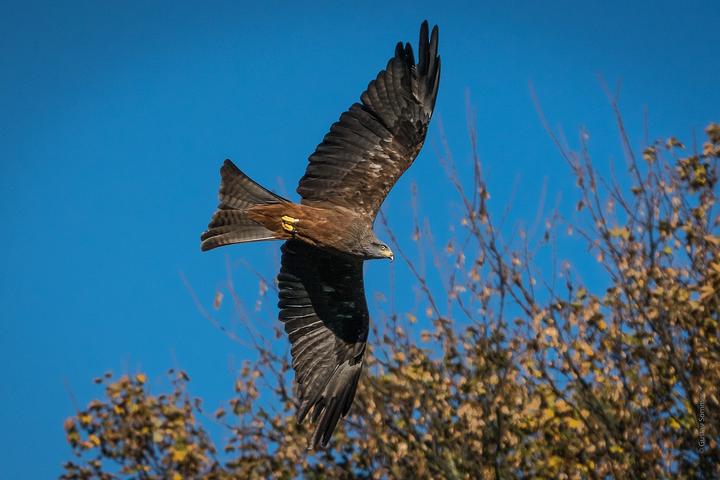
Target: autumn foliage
<point>519,368</point>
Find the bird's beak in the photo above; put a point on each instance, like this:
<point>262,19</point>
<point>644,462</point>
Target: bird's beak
<point>390,256</point>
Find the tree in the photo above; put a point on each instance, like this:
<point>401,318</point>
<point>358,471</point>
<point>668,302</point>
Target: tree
<point>527,379</point>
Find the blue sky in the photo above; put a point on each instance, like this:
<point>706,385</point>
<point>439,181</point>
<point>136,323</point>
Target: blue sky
<point>116,118</point>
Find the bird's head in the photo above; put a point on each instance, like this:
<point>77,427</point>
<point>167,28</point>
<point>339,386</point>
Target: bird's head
<point>378,249</point>
<point>367,245</point>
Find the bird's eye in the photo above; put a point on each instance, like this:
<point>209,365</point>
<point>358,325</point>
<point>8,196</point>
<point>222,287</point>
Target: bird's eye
<point>383,247</point>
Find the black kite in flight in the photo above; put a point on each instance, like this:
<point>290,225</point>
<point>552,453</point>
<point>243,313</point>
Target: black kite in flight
<point>329,233</point>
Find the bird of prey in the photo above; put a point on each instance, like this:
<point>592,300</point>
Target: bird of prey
<point>329,234</point>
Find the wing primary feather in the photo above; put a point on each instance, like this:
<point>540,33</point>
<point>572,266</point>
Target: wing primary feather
<point>433,58</point>
<point>423,53</point>
<point>409,54</point>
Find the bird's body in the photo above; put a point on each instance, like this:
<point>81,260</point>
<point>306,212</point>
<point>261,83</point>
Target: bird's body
<point>336,228</point>
<point>329,233</point>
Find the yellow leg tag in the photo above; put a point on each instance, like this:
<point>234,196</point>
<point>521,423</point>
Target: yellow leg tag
<point>288,223</point>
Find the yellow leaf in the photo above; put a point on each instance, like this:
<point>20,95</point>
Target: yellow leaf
<point>551,332</point>
<point>673,142</point>
<point>547,414</point>
<point>141,378</point>
<point>706,291</point>
<point>179,455</point>
<point>94,439</point>
<point>464,409</point>
<point>533,405</point>
<point>620,232</point>
<point>674,424</point>
<point>587,349</point>
<point>217,301</point>
<point>177,476</point>
<point>650,154</point>
<point>574,423</point>
<point>562,406</point>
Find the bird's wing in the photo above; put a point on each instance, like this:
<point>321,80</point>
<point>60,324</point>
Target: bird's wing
<point>322,304</point>
<point>375,141</point>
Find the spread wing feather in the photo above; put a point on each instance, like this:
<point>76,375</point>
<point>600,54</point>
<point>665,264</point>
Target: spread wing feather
<point>375,141</point>
<point>322,304</point>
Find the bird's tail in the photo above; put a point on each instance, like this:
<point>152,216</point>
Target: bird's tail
<point>230,223</point>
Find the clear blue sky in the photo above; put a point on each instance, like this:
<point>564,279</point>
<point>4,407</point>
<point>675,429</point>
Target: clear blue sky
<point>115,117</point>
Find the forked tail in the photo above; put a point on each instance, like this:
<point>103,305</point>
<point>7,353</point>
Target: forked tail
<point>230,223</point>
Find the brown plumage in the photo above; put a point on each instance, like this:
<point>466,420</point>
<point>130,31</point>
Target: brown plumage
<point>329,233</point>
